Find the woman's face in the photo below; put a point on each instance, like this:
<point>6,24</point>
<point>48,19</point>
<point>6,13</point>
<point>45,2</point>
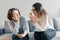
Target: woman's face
<point>16,15</point>
<point>34,11</point>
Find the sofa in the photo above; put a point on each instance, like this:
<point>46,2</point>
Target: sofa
<point>56,22</point>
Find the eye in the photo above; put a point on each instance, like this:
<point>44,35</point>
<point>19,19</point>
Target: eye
<point>17,14</point>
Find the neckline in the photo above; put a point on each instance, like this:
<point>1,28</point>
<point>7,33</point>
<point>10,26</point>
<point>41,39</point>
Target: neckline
<point>45,23</point>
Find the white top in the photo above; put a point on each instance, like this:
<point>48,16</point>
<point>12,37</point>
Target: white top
<point>47,26</point>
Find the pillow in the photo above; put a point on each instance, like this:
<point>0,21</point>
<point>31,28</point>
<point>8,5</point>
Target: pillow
<point>56,22</point>
<point>1,31</point>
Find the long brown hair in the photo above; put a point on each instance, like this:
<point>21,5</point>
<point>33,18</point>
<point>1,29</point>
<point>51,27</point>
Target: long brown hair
<point>38,9</point>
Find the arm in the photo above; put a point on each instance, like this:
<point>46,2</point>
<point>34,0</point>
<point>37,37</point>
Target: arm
<point>6,27</point>
<point>25,28</point>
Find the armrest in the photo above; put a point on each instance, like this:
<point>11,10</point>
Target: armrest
<point>57,37</point>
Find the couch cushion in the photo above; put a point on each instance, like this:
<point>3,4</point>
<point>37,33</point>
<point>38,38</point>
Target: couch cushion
<point>57,37</point>
<point>56,23</point>
<point>6,37</point>
<point>1,31</point>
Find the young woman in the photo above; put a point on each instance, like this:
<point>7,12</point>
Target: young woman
<point>16,25</point>
<point>40,23</point>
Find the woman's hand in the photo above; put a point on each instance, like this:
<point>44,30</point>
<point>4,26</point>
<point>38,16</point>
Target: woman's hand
<point>32,18</point>
<point>20,35</point>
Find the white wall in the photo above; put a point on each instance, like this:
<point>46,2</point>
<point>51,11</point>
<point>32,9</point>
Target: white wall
<point>52,7</point>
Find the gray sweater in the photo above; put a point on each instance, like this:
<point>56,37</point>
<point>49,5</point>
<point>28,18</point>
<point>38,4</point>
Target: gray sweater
<point>22,26</point>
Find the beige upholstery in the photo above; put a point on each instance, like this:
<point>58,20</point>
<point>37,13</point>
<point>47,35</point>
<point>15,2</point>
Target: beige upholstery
<point>6,37</point>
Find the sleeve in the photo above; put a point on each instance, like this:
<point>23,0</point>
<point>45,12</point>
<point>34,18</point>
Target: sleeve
<point>25,27</point>
<point>6,27</point>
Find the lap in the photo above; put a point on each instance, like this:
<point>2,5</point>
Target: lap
<point>40,36</point>
<point>15,37</point>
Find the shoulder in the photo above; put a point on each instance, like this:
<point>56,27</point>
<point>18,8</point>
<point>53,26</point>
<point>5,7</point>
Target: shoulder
<point>22,18</point>
<point>6,21</point>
